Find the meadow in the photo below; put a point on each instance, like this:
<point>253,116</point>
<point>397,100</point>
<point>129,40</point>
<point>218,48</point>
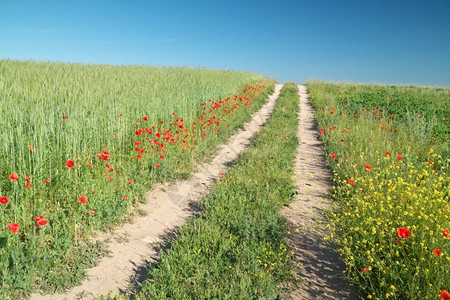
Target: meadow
<point>388,147</point>
<point>80,145</point>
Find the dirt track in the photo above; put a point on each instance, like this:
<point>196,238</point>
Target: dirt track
<point>320,269</point>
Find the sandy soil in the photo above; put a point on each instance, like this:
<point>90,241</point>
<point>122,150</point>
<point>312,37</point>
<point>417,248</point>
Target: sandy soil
<point>135,246</point>
<point>320,269</point>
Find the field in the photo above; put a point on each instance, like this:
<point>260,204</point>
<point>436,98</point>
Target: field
<point>389,149</point>
<point>82,143</point>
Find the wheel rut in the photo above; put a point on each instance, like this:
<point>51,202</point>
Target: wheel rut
<point>319,267</point>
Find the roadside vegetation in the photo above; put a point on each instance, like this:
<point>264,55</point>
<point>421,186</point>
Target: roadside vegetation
<point>389,149</point>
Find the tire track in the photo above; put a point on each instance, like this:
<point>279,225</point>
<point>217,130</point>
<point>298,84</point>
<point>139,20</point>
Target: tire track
<point>320,269</point>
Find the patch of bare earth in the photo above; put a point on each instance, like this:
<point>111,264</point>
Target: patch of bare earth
<point>135,246</point>
<point>320,269</point>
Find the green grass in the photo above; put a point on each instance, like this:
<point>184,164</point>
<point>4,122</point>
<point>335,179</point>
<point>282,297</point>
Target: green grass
<point>53,113</point>
<point>236,247</point>
<point>388,147</point>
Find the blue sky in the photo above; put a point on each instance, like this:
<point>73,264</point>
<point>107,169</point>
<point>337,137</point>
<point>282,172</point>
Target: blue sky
<point>373,41</point>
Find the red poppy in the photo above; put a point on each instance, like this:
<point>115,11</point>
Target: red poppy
<point>445,232</point>
<point>125,197</point>
<point>139,156</point>
<point>145,118</point>
<point>88,165</point>
<point>387,153</point>
<point>92,212</point>
<point>342,140</point>
<point>14,227</point>
<point>368,167</point>
<point>70,164</point>
<point>333,156</point>
<point>399,157</point>
<point>28,179</point>
<point>64,117</point>
<point>104,155</point>
<point>28,186</point>
<point>129,182</point>
<point>83,199</point>
<point>13,176</point>
<point>161,156</point>
<point>30,148</point>
<point>445,295</point>
<point>403,233</point>
<point>158,165</point>
<point>351,181</point>
<point>437,252</point>
<point>3,200</point>
<point>364,270</point>
<point>322,132</point>
<point>41,221</point>
<point>48,181</point>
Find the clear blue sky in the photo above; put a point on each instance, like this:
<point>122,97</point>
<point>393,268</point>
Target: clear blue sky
<point>360,40</point>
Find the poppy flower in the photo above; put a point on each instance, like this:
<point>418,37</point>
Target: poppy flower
<point>139,156</point>
<point>13,176</point>
<point>403,233</point>
<point>129,182</point>
<point>125,197</point>
<point>83,199</point>
<point>351,181</point>
<point>161,156</point>
<point>364,270</point>
<point>387,153</point>
<point>145,118</point>
<point>30,148</point>
<point>399,157</point>
<point>47,181</point>
<point>3,200</point>
<point>368,167</point>
<point>64,117</point>
<point>41,221</point>
<point>92,212</point>
<point>70,164</point>
<point>445,232</point>
<point>342,140</point>
<point>158,165</point>
<point>445,295</point>
<point>437,252</point>
<point>28,186</point>
<point>333,156</point>
<point>14,227</point>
